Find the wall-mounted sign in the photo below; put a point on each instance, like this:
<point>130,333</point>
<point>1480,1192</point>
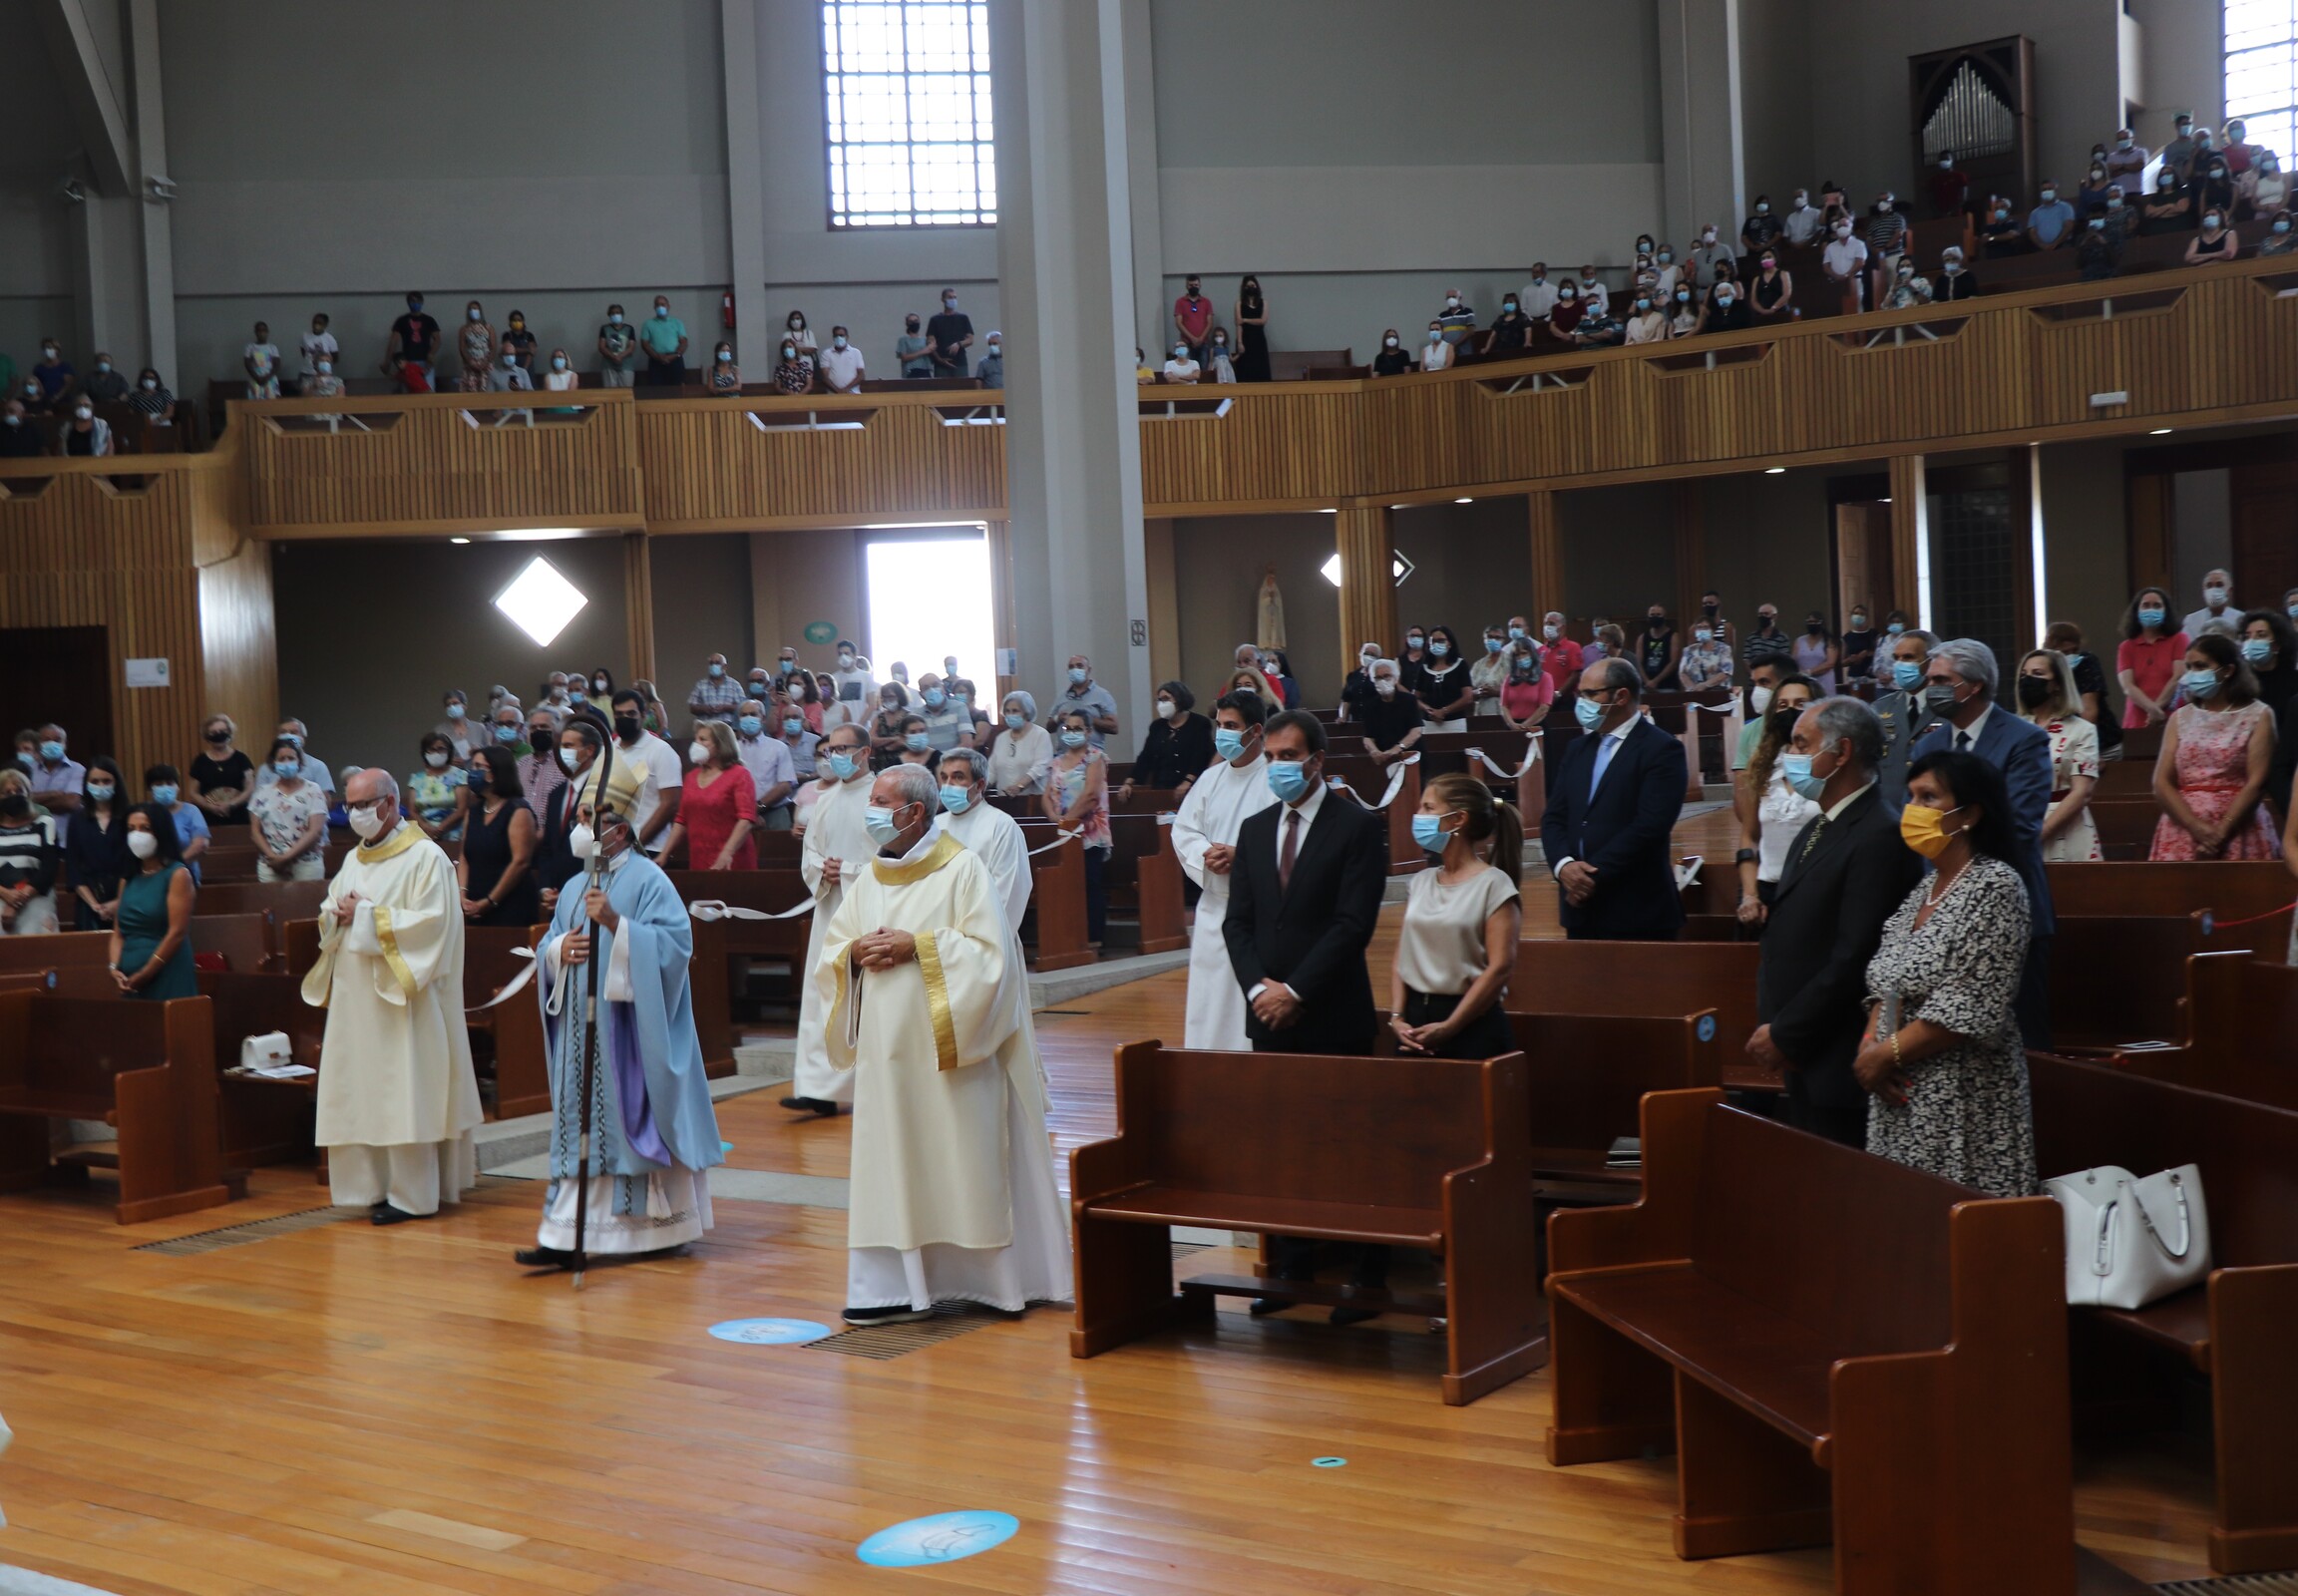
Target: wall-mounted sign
<point>146,673</point>
<point>821,632</point>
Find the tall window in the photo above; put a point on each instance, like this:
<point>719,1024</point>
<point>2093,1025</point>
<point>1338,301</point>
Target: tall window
<point>2262,72</point>
<point>929,597</point>
<point>905,104</point>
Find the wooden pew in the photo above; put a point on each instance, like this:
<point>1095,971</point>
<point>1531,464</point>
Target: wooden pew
<point>1555,975</point>
<point>1410,1152</point>
<point>2236,1327</point>
<point>1816,1379</point>
<point>2240,1036</point>
<point>1144,877</point>
<point>512,1030</point>
<point>718,945</point>
<point>264,1121</point>
<point>2125,827</point>
<point>1589,1072</point>
<point>288,900</point>
<point>778,850</point>
<point>145,1068</point>
<point>1054,928</point>
<point>2118,980</point>
<point>247,943</point>
<point>2248,900</point>
<point>1371,781</point>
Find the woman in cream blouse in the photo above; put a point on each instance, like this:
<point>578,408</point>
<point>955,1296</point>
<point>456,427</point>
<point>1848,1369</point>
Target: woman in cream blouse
<point>1463,921</point>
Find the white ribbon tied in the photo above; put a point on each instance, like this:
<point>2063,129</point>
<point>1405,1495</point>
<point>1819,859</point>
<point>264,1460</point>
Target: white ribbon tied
<point>1059,838</point>
<point>1396,781</point>
<point>1531,757</point>
<point>716,908</point>
<point>518,985</point>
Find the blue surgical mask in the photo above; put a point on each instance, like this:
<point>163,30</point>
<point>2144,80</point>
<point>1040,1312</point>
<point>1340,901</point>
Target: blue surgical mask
<point>842,766</point>
<point>794,725</point>
<point>1493,645</point>
<point>1288,779</point>
<point>284,767</point>
<point>789,665</point>
<point>1017,723</point>
<point>717,670</point>
<point>1906,674</point>
<point>1590,712</point>
<point>505,733</point>
<point>917,742</point>
<point>934,697</point>
<point>165,793</point>
<point>455,711</point>
<point>1438,647</point>
<point>880,824</point>
<point>1072,739</point>
<point>1895,628</point>
<point>2150,616</point>
<point>1228,743</point>
<point>103,794</point>
<point>1515,634</point>
<point>1079,674</point>
<point>1795,770</point>
<point>1428,833</point>
<point>957,799</point>
<point>2255,649</point>
<point>749,725</point>
<point>2199,684</point>
<point>51,751</point>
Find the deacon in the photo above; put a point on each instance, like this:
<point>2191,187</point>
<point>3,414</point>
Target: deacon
<point>926,998</point>
<point>653,1134</point>
<point>398,1098</point>
<point>837,844</point>
<point>1205,839</point>
<point>989,831</point>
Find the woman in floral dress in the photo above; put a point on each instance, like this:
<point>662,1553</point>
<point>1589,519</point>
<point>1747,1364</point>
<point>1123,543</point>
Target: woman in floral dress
<point>2216,752</point>
<point>475,344</point>
<point>2047,696</point>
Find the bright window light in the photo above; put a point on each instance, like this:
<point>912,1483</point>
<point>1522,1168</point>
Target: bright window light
<point>539,602</point>
<point>930,598</point>
<point>2262,71</point>
<point>905,111</point>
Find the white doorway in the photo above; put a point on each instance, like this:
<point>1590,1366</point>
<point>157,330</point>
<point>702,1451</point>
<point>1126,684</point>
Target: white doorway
<point>926,594</point>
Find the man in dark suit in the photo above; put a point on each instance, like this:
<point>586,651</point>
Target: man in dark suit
<point>1959,690</point>
<point>1304,890</point>
<point>1847,871</point>
<point>1612,803</point>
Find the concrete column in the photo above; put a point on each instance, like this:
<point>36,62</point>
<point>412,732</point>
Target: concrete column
<point>1150,319</point>
<point>1910,532</point>
<point>1547,555</point>
<point>1065,271</point>
<point>1367,580</point>
<point>1699,118</point>
<point>159,276</point>
<point>745,188</point>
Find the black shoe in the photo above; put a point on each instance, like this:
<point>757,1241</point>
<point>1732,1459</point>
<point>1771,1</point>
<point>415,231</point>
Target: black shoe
<point>899,1314</point>
<point>1353,1316</point>
<point>541,1258</point>
<point>812,1106</point>
<point>1261,1307</point>
<point>385,1214</point>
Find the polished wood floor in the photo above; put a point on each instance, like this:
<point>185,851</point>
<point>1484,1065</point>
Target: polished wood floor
<point>378,1411</point>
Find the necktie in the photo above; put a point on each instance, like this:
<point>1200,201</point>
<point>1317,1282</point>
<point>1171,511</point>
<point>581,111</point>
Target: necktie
<point>1962,742</point>
<point>1810,838</point>
<point>1291,850</point>
<point>1604,752</point>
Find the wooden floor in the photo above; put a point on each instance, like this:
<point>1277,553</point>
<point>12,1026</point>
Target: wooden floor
<point>366,1412</point>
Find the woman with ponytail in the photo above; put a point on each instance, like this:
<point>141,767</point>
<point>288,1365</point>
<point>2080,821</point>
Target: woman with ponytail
<point>1463,921</point>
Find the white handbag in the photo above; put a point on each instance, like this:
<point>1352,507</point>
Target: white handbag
<point>2133,1240</point>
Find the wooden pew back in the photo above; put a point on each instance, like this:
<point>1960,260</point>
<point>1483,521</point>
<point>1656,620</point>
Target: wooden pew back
<point>2241,1018</point>
<point>2231,889</point>
<point>60,949</point>
<point>2120,980</point>
<point>247,943</point>
<point>289,900</point>
<point>1588,1075</point>
<point>769,891</point>
<point>1558,975</point>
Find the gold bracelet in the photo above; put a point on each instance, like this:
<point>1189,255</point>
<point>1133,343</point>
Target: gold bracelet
<point>1896,1062</point>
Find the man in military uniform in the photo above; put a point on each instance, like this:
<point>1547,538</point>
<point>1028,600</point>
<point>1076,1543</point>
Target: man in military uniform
<point>1901,710</point>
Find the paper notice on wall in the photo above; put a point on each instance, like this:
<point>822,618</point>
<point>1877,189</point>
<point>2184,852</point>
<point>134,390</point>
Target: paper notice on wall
<point>146,673</point>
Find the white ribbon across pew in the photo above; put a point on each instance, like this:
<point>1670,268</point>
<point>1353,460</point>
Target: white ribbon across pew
<point>1531,757</point>
<point>1396,781</point>
<point>1058,839</point>
<point>718,909</point>
<point>515,988</point>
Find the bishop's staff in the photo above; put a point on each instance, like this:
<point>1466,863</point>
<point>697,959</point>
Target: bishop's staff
<point>597,871</point>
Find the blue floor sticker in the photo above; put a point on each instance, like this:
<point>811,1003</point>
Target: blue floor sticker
<point>942,1538</point>
<point>769,1331</point>
<point>1327,1463</point>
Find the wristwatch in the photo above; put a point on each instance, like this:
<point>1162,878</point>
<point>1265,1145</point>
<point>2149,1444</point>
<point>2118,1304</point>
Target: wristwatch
<point>1746,856</point>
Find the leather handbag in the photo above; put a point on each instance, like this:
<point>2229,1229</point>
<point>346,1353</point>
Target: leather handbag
<point>2133,1240</point>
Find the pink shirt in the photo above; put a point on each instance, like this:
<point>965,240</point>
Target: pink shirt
<point>2151,665</point>
<point>1195,316</point>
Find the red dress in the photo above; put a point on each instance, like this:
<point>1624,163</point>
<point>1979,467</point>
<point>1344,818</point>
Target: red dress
<point>2213,766</point>
<point>709,815</point>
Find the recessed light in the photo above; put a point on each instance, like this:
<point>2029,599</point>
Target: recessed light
<point>1883,501</point>
<point>1328,512</point>
<point>1773,471</point>
<point>1463,500</point>
<point>2160,432</point>
<point>458,540</point>
<point>539,602</point>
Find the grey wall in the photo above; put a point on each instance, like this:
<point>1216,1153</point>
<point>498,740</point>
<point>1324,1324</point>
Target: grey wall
<point>702,585</point>
<point>1472,567</point>
<point>2086,539</point>
<point>34,241</point>
<point>366,676</point>
<point>1619,554</point>
<point>1769,540</point>
<point>1217,562</point>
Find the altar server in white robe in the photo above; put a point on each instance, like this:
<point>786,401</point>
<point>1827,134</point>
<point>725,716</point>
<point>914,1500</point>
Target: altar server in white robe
<point>398,1098</point>
<point>993,835</point>
<point>1205,838</point>
<point>835,845</point>
<point>952,1195</point>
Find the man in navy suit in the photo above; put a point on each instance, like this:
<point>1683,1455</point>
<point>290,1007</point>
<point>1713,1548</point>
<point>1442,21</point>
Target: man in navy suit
<point>1612,803</point>
<point>1959,686</point>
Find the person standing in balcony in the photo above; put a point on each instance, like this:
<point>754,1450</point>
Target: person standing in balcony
<point>475,345</point>
<point>261,360</point>
<point>841,365</point>
<point>950,334</point>
<point>663,337</point>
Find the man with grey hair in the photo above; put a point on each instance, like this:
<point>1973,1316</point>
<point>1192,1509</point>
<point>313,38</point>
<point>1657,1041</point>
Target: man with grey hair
<point>2219,612</point>
<point>1613,804</point>
<point>1847,872</point>
<point>926,998</point>
<point>398,1098</point>
<point>981,826</point>
<point>1959,688</point>
<point>1900,709</point>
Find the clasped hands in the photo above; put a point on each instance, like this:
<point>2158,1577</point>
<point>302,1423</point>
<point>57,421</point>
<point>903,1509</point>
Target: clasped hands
<point>1275,1006</point>
<point>1218,856</point>
<point>1578,878</point>
<point>883,949</point>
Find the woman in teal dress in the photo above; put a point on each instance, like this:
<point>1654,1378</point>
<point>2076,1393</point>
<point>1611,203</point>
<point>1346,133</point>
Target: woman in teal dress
<point>152,934</point>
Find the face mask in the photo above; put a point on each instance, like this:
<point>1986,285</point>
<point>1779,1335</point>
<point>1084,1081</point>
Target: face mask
<point>2034,692</point>
<point>1590,713</point>
<point>2122,143</point>
<point>84,413</point>
<point>2210,221</point>
<point>1906,674</point>
<point>1565,293</point>
<point>1707,235</point>
<point>1643,305</point>
<point>917,742</point>
<point>367,821</point>
<point>1388,343</point>
<point>1167,709</point>
<point>1288,779</point>
<point>2150,616</point>
<point>435,759</point>
<point>1451,301</point>
<point>1016,721</point>
<point>505,733</point>
<point>1227,742</point>
<point>837,342</point>
<point>1795,770</point>
<point>2200,683</point>
<point>1072,739</point>
<point>1435,335</point>
<point>1939,698</point>
<point>142,844</point>
<point>1438,647</point>
<point>1724,296</point>
<point>1079,674</point>
<point>1386,686</point>
<point>2255,649</point>
<point>164,794</point>
<point>1428,833</point>
<point>101,795</point>
<point>1704,634</point>
<point>1759,701</point>
<point>1508,306</point>
<point>566,757</point>
<point>582,841</point>
<point>1550,632</point>
<point>1842,229</point>
<point>842,766</point>
<point>698,753</point>
<point>626,728</point>
<point>996,348</point>
<point>2214,595</point>
<point>2282,224</point>
<point>2114,201</point>
<point>661,310</point>
<point>957,799</point>
<point>845,660</point>
<point>1920,827</point>
<point>717,670</point>
<point>1493,645</point>
<point>790,728</point>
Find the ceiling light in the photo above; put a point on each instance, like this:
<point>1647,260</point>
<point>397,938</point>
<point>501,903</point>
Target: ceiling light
<point>539,602</point>
<point>1463,500</point>
<point>1886,499</point>
<point>2160,432</point>
<point>458,540</point>
<point>1327,511</point>
<point>1773,471</point>
<point>539,534</point>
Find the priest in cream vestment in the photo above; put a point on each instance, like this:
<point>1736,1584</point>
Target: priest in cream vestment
<point>1230,791</point>
<point>398,1098</point>
<point>952,1195</point>
<point>835,846</point>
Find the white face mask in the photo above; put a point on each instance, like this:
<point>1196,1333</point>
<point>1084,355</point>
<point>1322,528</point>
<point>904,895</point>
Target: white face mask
<point>566,757</point>
<point>367,821</point>
<point>581,842</point>
<point>1167,709</point>
<point>698,753</point>
<point>435,759</point>
<point>142,844</point>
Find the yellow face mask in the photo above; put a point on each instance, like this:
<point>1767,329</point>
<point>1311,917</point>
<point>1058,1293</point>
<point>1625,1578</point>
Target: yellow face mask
<point>1923,829</point>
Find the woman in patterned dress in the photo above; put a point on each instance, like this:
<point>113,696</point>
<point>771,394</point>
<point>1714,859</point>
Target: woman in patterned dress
<point>2216,752</point>
<point>2047,696</point>
<point>475,345</point>
<point>1942,1059</point>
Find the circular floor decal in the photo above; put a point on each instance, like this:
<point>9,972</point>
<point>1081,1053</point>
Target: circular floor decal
<point>769,1331</point>
<point>1328,1462</point>
<point>942,1538</point>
